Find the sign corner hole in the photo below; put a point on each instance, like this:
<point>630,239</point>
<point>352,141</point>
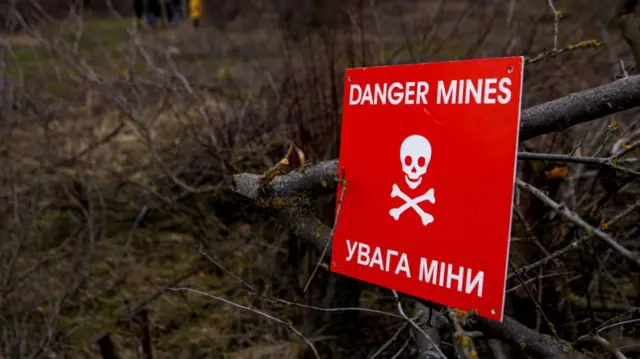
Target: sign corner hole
<point>335,264</point>
<point>349,78</point>
<point>493,310</point>
<point>509,70</point>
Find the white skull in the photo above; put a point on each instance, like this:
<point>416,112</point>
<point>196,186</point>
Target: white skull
<point>415,154</point>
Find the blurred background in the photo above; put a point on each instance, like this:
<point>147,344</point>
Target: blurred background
<point>119,141</point>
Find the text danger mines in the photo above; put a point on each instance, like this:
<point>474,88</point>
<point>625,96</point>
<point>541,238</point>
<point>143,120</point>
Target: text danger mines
<point>453,92</point>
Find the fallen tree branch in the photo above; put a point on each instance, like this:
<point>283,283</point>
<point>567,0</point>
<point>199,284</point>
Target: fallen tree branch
<point>534,344</point>
<point>294,211</point>
<point>285,197</point>
<point>585,106</point>
<point>289,196</point>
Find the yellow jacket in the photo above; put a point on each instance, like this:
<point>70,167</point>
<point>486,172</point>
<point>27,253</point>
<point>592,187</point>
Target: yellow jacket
<point>195,7</point>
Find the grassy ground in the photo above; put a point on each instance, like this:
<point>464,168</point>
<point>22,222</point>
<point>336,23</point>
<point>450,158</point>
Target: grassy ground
<point>127,264</point>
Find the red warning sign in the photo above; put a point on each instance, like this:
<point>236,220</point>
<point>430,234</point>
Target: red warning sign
<point>429,154</point>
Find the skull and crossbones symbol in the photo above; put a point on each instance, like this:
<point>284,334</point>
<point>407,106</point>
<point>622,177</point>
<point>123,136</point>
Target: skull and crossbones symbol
<point>415,154</point>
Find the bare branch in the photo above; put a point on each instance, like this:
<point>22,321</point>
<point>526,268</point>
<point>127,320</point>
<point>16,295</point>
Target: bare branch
<point>335,223</point>
<point>289,196</point>
<point>602,343</point>
<point>422,332</point>
<point>497,349</point>
<point>575,218</point>
<point>598,161</point>
<point>433,323</point>
<point>261,313</point>
<point>462,341</point>
<point>581,107</point>
<point>393,338</point>
<point>534,344</point>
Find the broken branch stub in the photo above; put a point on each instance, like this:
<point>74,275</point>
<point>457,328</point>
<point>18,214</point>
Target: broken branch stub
<point>285,196</point>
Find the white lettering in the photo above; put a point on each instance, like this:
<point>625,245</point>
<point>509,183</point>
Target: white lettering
<point>477,281</point>
<point>480,91</point>
<point>423,89</point>
<point>380,91</point>
<point>403,266</point>
<point>377,259</point>
<point>488,91</point>
<point>445,97</point>
<point>363,254</point>
<point>408,93</point>
<point>395,97</point>
<point>473,90</point>
<point>358,89</point>
<point>367,96</point>
<point>351,249</point>
<point>451,276</point>
<point>506,91</point>
<point>431,271</point>
<point>390,253</point>
<point>443,274</point>
<point>428,273</point>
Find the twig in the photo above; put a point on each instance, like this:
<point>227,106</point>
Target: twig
<point>547,54</point>
<point>464,342</point>
<point>622,214</point>
<point>575,218</point>
<point>599,161</point>
<point>544,261</point>
<point>416,326</point>
<point>402,349</point>
<point>272,172</point>
<point>393,338</point>
<point>556,23</point>
<point>602,343</point>
<point>335,223</point>
<point>624,322</point>
<point>625,73</point>
<point>535,302</point>
<point>252,310</point>
<point>254,291</point>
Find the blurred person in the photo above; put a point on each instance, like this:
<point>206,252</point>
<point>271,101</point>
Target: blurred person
<point>138,8</point>
<point>174,11</point>
<point>153,11</point>
<point>195,8</point>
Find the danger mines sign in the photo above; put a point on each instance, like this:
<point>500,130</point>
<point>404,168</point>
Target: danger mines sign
<point>429,152</point>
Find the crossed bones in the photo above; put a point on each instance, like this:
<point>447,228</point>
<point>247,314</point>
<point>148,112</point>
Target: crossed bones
<point>413,203</point>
